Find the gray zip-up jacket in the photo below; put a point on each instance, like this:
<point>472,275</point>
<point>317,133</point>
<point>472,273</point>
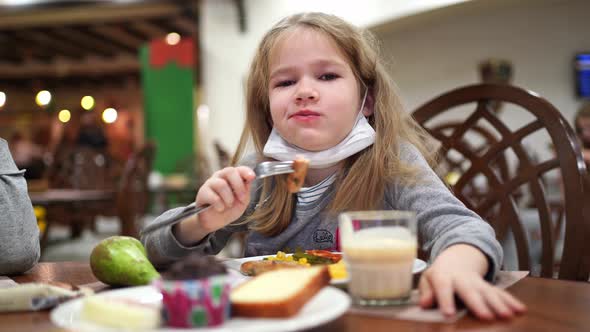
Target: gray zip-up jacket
<point>442,221</point>
<point>19,234</point>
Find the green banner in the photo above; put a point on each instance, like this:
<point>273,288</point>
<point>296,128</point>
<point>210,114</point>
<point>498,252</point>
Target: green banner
<point>167,82</point>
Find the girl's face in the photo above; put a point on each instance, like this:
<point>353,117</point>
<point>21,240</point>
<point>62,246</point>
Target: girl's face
<point>313,93</point>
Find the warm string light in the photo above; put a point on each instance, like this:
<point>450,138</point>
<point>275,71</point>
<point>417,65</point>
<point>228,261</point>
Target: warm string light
<point>172,38</point>
<point>2,99</point>
<point>109,115</point>
<point>64,116</point>
<point>87,103</point>
<point>43,98</point>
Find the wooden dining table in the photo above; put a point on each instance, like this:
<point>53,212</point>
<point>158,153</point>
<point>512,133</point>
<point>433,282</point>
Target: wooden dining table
<point>73,205</point>
<point>71,196</point>
<point>553,305</point>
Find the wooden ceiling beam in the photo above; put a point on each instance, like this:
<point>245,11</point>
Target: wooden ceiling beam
<point>42,42</point>
<point>87,40</point>
<point>148,29</point>
<point>11,58</point>
<point>186,26</point>
<point>119,34</point>
<point>60,68</point>
<point>88,14</point>
<point>7,49</point>
<point>28,50</point>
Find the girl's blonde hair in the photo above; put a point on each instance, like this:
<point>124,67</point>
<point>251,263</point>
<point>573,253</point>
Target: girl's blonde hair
<point>361,182</point>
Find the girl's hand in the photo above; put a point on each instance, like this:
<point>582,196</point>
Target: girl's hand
<point>228,193</point>
<point>459,270</point>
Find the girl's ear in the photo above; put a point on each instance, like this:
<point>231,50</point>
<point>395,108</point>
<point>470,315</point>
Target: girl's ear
<point>369,104</point>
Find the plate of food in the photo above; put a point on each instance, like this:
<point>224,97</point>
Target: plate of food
<point>200,296</point>
<point>252,266</point>
<point>327,305</point>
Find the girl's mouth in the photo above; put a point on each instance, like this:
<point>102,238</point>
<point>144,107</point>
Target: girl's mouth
<point>305,115</point>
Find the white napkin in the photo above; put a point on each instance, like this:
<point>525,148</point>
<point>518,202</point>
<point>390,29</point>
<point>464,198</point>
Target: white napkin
<point>6,282</point>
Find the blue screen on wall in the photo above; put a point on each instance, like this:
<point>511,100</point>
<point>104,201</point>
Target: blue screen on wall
<point>582,67</point>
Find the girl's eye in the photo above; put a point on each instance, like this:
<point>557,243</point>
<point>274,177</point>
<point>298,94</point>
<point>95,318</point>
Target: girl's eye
<point>328,77</point>
<point>284,83</point>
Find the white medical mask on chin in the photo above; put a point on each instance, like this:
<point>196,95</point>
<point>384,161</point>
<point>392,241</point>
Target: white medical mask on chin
<point>360,137</point>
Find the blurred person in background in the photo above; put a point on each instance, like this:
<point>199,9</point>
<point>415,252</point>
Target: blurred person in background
<point>496,71</point>
<point>27,155</point>
<point>19,234</point>
<point>91,134</point>
<point>582,125</point>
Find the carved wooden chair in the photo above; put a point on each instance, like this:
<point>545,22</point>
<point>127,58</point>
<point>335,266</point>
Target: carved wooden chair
<point>75,167</point>
<point>81,168</point>
<point>477,139</point>
<point>498,203</point>
<point>133,195</point>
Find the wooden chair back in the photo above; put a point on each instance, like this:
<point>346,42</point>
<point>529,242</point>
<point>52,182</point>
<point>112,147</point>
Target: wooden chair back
<point>498,205</point>
<point>477,139</point>
<point>83,168</point>
<point>133,193</point>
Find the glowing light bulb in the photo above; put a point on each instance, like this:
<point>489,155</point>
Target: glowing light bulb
<point>172,38</point>
<point>43,98</point>
<point>2,98</point>
<point>87,103</point>
<point>64,116</point>
<point>109,115</point>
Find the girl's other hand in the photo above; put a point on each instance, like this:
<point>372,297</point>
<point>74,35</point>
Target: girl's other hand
<point>459,270</point>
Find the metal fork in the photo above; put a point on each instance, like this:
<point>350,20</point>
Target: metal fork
<point>262,170</point>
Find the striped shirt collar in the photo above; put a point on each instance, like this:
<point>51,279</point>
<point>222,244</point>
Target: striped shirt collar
<point>308,195</point>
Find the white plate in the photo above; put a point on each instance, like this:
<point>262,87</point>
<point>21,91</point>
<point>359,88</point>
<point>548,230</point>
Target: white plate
<point>329,304</point>
<point>234,264</point>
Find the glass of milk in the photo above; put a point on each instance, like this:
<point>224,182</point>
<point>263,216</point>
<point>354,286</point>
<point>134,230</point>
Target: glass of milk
<point>379,249</point>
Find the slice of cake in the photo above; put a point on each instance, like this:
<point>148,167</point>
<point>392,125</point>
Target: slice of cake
<point>120,313</point>
<point>280,293</point>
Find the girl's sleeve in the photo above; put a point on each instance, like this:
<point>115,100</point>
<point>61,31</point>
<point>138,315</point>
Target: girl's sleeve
<point>443,220</point>
<point>19,233</point>
<point>164,249</point>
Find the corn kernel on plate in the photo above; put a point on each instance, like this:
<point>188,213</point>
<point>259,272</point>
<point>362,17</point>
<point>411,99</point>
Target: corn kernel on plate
<point>337,270</point>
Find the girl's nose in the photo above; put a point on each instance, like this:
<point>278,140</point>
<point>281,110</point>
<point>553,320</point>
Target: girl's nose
<point>306,92</point>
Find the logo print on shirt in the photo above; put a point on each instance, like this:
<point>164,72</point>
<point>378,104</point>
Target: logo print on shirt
<point>323,236</point>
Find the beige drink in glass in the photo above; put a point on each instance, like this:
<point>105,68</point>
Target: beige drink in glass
<point>379,249</point>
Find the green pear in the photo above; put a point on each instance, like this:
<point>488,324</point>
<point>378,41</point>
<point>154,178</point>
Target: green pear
<point>122,261</point>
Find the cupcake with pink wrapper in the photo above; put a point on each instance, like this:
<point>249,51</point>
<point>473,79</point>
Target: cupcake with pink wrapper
<point>195,293</point>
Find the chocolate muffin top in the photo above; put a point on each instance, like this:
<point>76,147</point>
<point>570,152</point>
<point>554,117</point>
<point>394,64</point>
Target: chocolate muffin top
<point>194,266</point>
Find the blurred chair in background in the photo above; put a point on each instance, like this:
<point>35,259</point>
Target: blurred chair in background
<point>133,195</point>
<point>80,168</point>
<point>123,190</point>
<point>498,204</point>
<point>180,189</point>
<point>223,156</point>
<point>582,125</point>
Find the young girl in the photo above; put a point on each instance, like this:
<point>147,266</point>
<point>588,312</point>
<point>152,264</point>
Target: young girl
<point>317,88</point>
